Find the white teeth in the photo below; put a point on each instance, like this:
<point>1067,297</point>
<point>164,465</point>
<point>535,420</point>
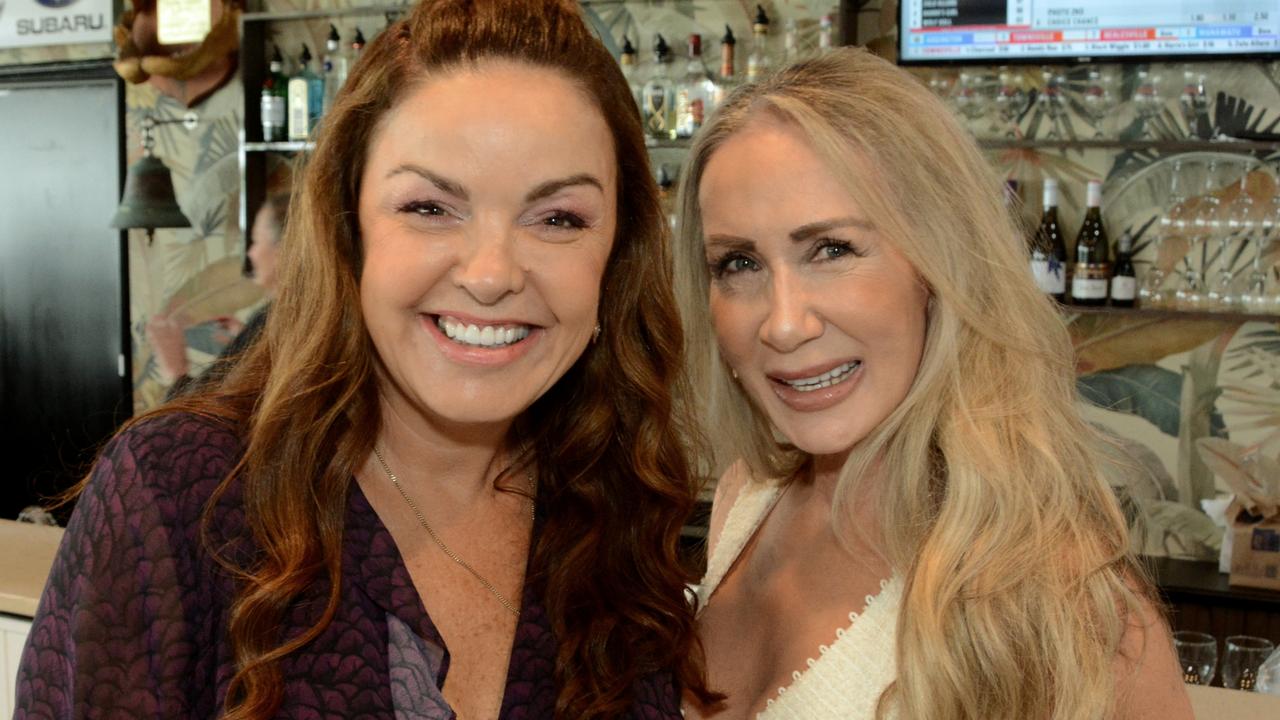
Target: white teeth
<point>481,335</point>
<point>835,376</point>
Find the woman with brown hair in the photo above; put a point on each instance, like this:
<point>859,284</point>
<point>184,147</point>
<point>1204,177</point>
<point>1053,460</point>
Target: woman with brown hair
<point>448,482</point>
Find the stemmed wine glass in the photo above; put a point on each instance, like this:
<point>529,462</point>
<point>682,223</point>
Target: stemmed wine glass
<point>1239,226</point>
<point>1011,100</point>
<point>1098,98</point>
<point>1194,102</point>
<point>1148,100</point>
<point>1206,225</point>
<point>969,95</point>
<point>1051,100</point>
<point>1172,223</point>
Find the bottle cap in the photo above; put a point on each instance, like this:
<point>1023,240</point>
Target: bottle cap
<point>661,49</point>
<point>276,57</point>
<point>627,47</point>
<point>695,45</point>
<point>762,19</point>
<point>728,38</point>
<point>306,54</point>
<point>333,34</point>
<point>1125,244</point>
<point>358,42</point>
<point>1094,194</point>
<point>1050,192</point>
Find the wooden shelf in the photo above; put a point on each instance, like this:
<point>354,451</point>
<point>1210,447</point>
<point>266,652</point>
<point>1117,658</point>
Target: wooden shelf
<point>1238,146</point>
<point>1160,313</point>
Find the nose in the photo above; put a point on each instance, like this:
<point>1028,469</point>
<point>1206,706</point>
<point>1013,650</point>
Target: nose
<point>488,269</point>
<point>791,320</point>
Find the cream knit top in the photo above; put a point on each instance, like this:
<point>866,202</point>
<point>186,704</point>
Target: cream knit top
<point>844,681</point>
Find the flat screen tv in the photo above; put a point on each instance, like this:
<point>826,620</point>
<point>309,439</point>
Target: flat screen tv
<point>1011,31</point>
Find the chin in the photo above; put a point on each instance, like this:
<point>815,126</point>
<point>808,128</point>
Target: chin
<point>824,443</point>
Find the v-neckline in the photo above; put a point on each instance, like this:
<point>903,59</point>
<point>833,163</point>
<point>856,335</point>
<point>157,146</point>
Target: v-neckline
<point>531,620</point>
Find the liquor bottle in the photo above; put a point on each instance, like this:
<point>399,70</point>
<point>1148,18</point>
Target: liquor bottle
<point>658,108</point>
<point>1124,281</point>
<point>335,68</point>
<point>728,72</point>
<point>629,70</point>
<point>1091,270</point>
<point>306,98</point>
<point>791,42</point>
<point>695,94</point>
<point>274,100</point>
<point>1048,251</point>
<point>667,196</point>
<point>826,28</point>
<point>758,62</point>
<point>357,46</point>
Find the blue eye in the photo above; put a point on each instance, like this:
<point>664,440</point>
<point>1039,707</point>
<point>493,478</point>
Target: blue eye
<point>732,264</point>
<point>834,250</point>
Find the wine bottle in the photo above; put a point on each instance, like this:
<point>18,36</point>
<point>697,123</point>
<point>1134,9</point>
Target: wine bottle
<point>1091,269</point>
<point>273,100</point>
<point>1048,250</point>
<point>1124,281</point>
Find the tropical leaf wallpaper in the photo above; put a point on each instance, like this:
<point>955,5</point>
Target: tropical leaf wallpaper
<point>1188,401</point>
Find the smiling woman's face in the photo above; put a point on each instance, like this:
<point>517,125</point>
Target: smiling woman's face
<point>820,317</point>
<point>487,213</point>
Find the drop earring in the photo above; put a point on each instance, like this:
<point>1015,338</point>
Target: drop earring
<point>595,334</point>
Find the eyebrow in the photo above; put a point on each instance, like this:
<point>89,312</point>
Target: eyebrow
<point>450,186</point>
<point>806,232</point>
<point>546,189</point>
<point>551,187</point>
<point>800,234</point>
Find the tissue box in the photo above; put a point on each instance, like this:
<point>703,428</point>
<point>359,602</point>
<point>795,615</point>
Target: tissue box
<point>1255,551</point>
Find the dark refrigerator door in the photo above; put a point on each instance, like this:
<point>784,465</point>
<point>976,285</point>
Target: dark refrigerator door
<point>62,284</point>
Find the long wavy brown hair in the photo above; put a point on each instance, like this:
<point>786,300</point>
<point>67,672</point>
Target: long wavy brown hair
<point>614,483</point>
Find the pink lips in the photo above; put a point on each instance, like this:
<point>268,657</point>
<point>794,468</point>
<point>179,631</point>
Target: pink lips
<point>814,400</point>
<point>479,356</point>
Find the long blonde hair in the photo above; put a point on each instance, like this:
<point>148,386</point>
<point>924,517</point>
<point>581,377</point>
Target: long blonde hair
<point>1014,551</point>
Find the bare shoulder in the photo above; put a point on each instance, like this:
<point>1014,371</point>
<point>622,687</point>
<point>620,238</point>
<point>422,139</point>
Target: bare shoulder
<point>1148,681</point>
<point>728,488</point>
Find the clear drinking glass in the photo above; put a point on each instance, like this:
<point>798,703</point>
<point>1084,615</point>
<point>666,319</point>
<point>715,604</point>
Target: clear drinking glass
<point>1051,100</point>
<point>1194,102</point>
<point>1207,225</point>
<point>1010,101</point>
<point>1148,98</point>
<point>969,95</point>
<point>1098,98</point>
<point>1244,656</point>
<point>1254,299</point>
<point>1173,223</point>
<point>1197,656</point>
<point>1240,214</point>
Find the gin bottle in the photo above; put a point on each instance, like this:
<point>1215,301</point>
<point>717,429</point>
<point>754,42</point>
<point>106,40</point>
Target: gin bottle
<point>335,68</point>
<point>758,62</point>
<point>306,98</point>
<point>274,100</point>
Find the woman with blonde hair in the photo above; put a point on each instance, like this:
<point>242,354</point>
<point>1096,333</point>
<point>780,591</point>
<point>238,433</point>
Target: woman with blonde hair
<point>448,481</point>
<point>917,526</point>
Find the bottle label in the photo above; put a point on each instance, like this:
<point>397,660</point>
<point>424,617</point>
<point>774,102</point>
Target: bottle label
<point>272,112</point>
<point>299,110</point>
<point>1124,288</point>
<point>1089,282</point>
<point>656,109</point>
<point>1050,275</point>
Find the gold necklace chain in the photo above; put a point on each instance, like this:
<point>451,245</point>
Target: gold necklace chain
<point>450,553</point>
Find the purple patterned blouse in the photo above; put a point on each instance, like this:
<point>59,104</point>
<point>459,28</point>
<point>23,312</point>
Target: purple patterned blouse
<point>132,623</point>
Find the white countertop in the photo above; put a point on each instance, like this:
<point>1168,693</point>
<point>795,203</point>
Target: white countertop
<point>1213,703</point>
<point>26,554</point>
